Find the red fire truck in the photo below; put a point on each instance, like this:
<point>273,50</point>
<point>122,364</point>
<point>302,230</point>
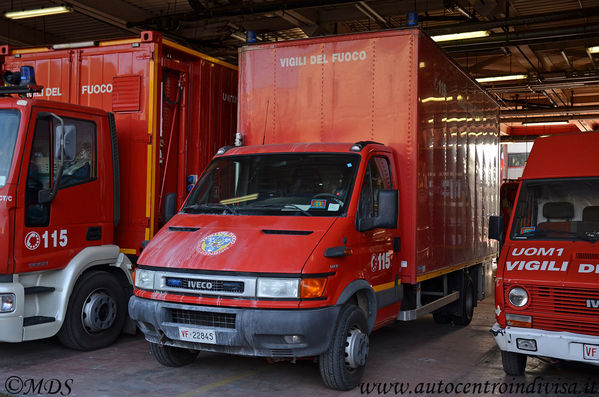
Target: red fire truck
<point>359,198</point>
<point>547,290</point>
<point>81,189</point>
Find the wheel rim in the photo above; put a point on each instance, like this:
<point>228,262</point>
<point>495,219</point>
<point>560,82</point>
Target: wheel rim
<point>99,312</point>
<point>356,348</point>
<point>469,303</point>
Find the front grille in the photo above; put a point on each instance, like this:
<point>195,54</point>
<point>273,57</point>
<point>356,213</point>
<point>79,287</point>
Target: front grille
<point>207,319</point>
<point>564,309</point>
<point>588,256</point>
<point>206,285</point>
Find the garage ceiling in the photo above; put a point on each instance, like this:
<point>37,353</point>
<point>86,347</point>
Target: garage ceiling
<point>545,40</point>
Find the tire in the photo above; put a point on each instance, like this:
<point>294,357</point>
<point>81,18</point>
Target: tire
<point>342,365</point>
<point>514,364</point>
<point>441,317</point>
<point>96,312</point>
<point>465,303</point>
<point>170,356</point>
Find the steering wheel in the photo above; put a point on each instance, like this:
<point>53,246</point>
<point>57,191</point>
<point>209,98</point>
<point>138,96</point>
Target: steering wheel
<point>329,195</point>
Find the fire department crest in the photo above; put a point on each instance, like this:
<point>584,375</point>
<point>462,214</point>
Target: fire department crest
<point>217,243</point>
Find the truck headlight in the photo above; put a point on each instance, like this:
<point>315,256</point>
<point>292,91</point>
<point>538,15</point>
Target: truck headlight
<point>518,297</point>
<point>278,287</point>
<point>7,303</point>
<point>144,279</point>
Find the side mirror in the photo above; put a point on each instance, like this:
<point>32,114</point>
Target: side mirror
<point>67,145</point>
<point>496,228</point>
<point>388,203</point>
<point>170,206</point>
<point>45,196</point>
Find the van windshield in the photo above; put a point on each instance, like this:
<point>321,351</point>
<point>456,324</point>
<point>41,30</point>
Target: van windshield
<point>307,184</point>
<point>9,126</point>
<point>558,210</point>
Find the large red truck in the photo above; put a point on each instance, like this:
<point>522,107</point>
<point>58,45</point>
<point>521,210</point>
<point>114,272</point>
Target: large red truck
<point>92,165</point>
<point>547,287</point>
<point>360,198</point>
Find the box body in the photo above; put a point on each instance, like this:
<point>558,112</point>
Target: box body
<point>397,88</point>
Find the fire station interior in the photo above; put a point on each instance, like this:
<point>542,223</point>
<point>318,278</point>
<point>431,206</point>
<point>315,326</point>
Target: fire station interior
<point>538,59</point>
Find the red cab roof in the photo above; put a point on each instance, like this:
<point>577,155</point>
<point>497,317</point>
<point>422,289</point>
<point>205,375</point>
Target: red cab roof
<point>564,156</point>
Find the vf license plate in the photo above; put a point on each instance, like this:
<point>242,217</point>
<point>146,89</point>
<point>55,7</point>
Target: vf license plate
<point>197,335</point>
<point>591,352</point>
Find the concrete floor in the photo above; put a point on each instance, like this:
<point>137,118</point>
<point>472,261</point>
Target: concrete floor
<point>412,352</point>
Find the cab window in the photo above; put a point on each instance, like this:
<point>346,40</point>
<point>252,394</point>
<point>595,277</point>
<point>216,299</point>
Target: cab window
<point>44,157</point>
<point>378,177</point>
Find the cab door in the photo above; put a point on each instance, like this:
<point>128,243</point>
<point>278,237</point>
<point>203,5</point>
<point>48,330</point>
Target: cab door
<point>49,234</point>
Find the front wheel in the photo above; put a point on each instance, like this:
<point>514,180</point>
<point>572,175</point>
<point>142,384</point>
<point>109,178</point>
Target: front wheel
<point>514,364</point>
<point>342,365</point>
<point>171,356</point>
<point>96,313</point>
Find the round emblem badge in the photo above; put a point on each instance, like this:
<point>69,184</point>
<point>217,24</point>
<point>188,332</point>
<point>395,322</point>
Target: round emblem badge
<point>217,243</point>
<point>32,240</point>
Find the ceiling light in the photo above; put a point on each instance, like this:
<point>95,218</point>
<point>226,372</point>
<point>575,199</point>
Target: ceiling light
<point>502,78</point>
<point>38,12</point>
<point>593,50</point>
<point>461,36</point>
<point>564,122</point>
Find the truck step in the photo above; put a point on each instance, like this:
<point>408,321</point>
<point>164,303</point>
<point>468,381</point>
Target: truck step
<point>35,320</point>
<point>38,290</point>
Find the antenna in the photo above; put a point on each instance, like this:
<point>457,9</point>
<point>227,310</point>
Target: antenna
<point>265,121</point>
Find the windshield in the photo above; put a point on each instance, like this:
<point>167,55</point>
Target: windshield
<point>558,210</point>
<point>276,184</point>
<point>9,126</point>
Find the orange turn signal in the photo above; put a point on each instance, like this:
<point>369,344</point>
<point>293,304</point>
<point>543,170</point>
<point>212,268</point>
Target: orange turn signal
<point>518,320</point>
<point>312,287</point>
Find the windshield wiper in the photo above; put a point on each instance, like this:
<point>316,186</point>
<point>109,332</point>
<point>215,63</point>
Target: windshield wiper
<point>587,236</point>
<point>211,206</point>
<point>278,206</point>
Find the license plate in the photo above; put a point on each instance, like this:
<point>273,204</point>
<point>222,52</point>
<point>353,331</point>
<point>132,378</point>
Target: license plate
<point>591,352</point>
<point>197,335</point>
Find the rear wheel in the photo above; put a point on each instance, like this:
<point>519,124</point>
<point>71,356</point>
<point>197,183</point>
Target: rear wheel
<point>96,312</point>
<point>465,305</point>
<point>171,356</point>
<point>342,365</point>
<point>513,363</point>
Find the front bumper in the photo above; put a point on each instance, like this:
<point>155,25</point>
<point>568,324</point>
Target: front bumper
<point>562,345</point>
<point>244,331</point>
<point>11,324</point>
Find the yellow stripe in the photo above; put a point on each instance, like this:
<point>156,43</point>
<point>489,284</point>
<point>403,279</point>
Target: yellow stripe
<point>129,251</point>
<point>151,154</point>
<point>214,385</point>
<point>197,54</point>
<point>441,272</point>
<point>117,42</point>
<point>30,50</point>
<point>382,287</point>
